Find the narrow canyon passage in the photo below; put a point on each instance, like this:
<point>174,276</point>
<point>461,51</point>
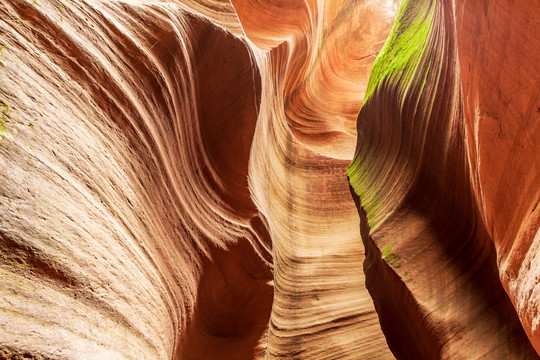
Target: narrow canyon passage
<point>301,179</point>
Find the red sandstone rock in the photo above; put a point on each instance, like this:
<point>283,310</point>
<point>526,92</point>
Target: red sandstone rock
<point>172,180</point>
<point>447,169</point>
<point>125,217</point>
<point>501,88</point>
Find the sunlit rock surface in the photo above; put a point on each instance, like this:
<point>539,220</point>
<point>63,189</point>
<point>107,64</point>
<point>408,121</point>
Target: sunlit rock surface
<point>205,179</point>
<point>448,170</point>
<point>127,226</point>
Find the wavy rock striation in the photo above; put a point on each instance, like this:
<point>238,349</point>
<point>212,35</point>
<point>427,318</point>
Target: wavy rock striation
<point>173,179</point>
<point>127,226</point>
<point>448,174</point>
<point>300,153</point>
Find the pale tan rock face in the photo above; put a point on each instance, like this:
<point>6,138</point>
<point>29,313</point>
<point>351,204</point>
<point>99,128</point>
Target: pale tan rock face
<point>173,179</point>
<point>118,197</point>
<point>128,229</point>
<point>314,76</point>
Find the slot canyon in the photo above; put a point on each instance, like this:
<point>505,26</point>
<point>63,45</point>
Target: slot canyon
<point>269,179</point>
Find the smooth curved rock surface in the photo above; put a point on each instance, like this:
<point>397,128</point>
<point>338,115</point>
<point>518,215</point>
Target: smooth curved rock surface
<point>118,196</point>
<point>503,132</point>
<point>322,56</point>
<point>176,179</point>
<point>127,222</point>
<point>447,170</point>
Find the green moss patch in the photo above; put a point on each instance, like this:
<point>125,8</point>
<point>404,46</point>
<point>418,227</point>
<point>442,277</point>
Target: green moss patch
<point>394,67</point>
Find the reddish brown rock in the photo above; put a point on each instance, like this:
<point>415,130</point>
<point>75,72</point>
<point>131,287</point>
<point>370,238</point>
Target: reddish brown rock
<point>173,179</point>
<point>447,170</point>
<point>501,92</point>
<point>126,221</point>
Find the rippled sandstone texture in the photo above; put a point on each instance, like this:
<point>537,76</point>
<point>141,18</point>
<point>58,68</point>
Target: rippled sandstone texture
<point>173,179</point>
<point>448,170</point>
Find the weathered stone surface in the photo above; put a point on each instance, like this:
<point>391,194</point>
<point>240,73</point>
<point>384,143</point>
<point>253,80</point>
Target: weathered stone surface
<point>176,179</point>
<point>448,172</point>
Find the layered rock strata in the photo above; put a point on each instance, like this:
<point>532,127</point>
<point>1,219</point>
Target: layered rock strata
<point>173,179</point>
<point>447,170</point>
<point>127,228</point>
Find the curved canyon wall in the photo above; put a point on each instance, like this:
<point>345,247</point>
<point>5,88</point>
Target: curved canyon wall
<point>124,171</point>
<point>447,172</point>
<point>176,179</point>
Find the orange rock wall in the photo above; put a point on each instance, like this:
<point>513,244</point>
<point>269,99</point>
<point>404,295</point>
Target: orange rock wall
<point>123,179</point>
<point>446,170</point>
<point>199,179</point>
